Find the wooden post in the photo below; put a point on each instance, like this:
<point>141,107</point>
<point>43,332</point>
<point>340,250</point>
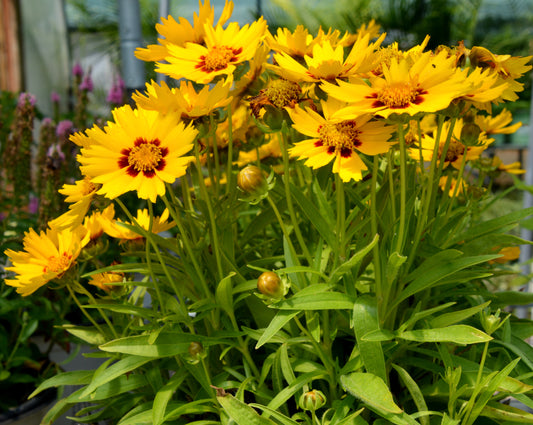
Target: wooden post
<point>10,54</point>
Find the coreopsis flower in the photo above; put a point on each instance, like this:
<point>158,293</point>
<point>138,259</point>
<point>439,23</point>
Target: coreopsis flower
<point>224,49</point>
<point>393,52</point>
<point>484,88</point>
<point>140,151</point>
<point>94,223</point>
<point>498,124</point>
<point>79,195</point>
<point>119,229</point>
<point>106,281</point>
<point>182,32</point>
<point>429,84</point>
<point>278,93</point>
<point>338,140</point>
<point>453,189</point>
<point>184,100</point>
<point>512,168</point>
<point>295,44</point>
<point>508,253</point>
<point>46,256</point>
<point>508,68</point>
<point>456,148</point>
<point>327,62</point>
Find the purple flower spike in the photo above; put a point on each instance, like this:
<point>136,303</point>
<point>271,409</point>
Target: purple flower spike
<point>25,98</point>
<point>77,70</point>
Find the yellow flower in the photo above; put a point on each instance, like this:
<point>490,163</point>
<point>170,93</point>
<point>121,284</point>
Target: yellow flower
<point>223,50</point>
<point>184,100</point>
<point>106,281</point>
<point>427,85</point>
<point>95,222</point>
<point>508,253</point>
<point>46,256</point>
<point>80,194</point>
<point>123,230</point>
<point>174,33</point>
<point>453,185</point>
<point>295,44</point>
<point>508,68</point>
<point>456,149</point>
<point>497,124</point>
<point>140,151</point>
<point>328,62</point>
<point>512,168</point>
<point>338,140</point>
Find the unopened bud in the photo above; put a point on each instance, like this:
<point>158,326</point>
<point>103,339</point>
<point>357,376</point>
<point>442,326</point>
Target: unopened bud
<point>312,400</point>
<point>270,284</point>
<point>254,183</point>
<point>470,134</point>
<point>195,349</point>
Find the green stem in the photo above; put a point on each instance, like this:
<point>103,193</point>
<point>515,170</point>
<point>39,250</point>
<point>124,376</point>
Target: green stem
<point>288,196</point>
<point>229,167</point>
<point>284,229</point>
<point>341,217</point>
<point>471,402</point>
<point>188,248</point>
<point>403,189</point>
<point>85,313</point>
<point>212,222</point>
<point>380,292</point>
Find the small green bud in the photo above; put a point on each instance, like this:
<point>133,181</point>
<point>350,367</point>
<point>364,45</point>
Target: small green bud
<point>196,349</point>
<point>312,400</point>
<point>470,134</point>
<point>492,322</point>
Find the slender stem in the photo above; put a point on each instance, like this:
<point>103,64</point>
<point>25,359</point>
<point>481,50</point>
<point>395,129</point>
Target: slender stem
<point>284,229</point>
<point>286,180</point>
<point>82,309</point>
<point>403,188</point>
<point>93,301</point>
<point>229,167</point>
<point>341,217</point>
<point>392,191</point>
<point>188,248</point>
<point>149,260</point>
<point>212,222</point>
<point>380,293</point>
<point>458,183</point>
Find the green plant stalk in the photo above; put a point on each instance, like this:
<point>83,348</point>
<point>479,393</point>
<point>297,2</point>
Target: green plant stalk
<point>216,158</point>
<point>457,184</point>
<point>428,195</point>
<point>229,167</point>
<point>149,261</point>
<point>187,243</point>
<point>341,220</point>
<point>381,294</point>
<point>284,230</point>
<point>290,206</point>
<point>467,420</point>
<point>212,223</point>
<point>82,309</point>
<point>403,189</point>
<point>325,358</point>
<point>390,157</point>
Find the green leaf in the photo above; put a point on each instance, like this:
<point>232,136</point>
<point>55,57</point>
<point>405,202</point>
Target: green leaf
<point>355,259</point>
<point>88,334</point>
<point>436,269</point>
<point>414,390</point>
<point>453,317</point>
<point>163,396</point>
<point>224,294</point>
<point>122,384</point>
<point>281,319</point>
<point>458,334</point>
<point>501,412</point>
<point>78,377</point>
<point>371,390</point>
<point>326,301</point>
<point>277,415</point>
<point>166,345</point>
<point>117,369</point>
<point>125,309</point>
<point>240,412</point>
<point>314,216</point>
<point>365,320</point>
<point>506,298</point>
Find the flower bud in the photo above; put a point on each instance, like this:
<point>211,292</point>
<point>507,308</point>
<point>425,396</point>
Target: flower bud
<point>270,284</point>
<point>312,400</point>
<point>252,181</point>
<point>196,349</point>
<point>470,134</point>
